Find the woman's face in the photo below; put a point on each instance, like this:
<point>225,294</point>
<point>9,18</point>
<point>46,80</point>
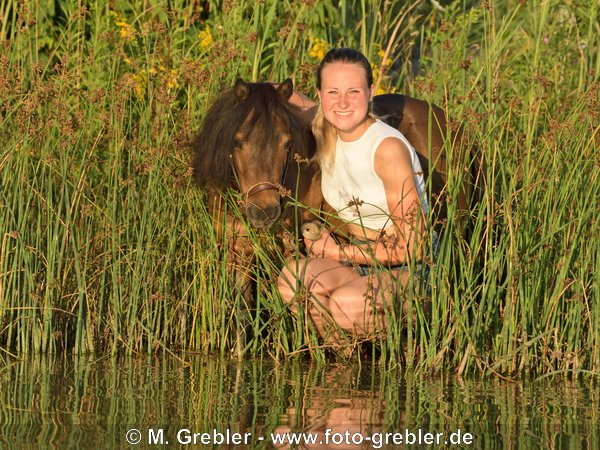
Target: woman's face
<point>345,98</point>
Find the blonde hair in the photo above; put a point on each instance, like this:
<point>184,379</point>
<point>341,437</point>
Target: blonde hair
<point>326,138</point>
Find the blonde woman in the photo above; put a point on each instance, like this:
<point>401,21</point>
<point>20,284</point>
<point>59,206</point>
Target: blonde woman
<point>372,178</point>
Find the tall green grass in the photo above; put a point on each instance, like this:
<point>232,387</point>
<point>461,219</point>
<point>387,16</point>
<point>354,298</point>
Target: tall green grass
<point>106,245</point>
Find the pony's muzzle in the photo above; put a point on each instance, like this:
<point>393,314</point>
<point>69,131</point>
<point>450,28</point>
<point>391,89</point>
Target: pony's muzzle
<point>264,208</point>
<point>262,216</point>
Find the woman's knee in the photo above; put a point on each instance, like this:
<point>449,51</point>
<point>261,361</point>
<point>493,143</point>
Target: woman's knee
<point>346,311</point>
<point>300,275</point>
<point>288,281</point>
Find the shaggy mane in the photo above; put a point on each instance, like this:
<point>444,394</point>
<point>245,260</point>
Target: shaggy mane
<point>214,143</point>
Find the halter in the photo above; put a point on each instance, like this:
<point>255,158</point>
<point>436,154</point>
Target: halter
<point>262,186</point>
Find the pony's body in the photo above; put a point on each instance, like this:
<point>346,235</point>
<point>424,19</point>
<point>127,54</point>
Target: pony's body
<point>425,127</point>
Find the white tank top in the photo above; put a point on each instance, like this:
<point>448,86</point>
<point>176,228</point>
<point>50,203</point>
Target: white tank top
<point>352,179</point>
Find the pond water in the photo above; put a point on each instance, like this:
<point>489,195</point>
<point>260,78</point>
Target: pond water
<point>86,403</point>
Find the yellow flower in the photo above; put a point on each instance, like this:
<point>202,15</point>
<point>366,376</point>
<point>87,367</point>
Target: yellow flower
<point>141,81</point>
<point>162,75</point>
<point>126,30</point>
<point>384,62</point>
<point>380,79</point>
<point>318,49</point>
<point>172,80</point>
<point>381,90</point>
<point>205,38</point>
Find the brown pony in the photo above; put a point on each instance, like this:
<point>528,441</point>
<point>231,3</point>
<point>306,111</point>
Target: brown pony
<point>257,143</point>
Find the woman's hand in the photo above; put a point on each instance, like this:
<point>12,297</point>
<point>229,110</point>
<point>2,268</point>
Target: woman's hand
<point>323,247</point>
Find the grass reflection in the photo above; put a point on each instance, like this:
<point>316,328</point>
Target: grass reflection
<point>82,402</point>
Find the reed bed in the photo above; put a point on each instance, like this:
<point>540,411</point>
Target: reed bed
<point>106,245</point>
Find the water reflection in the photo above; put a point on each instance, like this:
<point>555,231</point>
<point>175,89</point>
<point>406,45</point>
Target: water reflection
<point>92,403</point>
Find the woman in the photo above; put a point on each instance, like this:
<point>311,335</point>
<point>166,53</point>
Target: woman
<point>372,178</point>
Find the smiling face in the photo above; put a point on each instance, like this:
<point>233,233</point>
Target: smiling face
<point>345,94</point>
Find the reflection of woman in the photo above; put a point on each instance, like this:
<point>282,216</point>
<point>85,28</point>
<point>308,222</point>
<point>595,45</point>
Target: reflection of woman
<point>341,423</point>
<point>333,412</point>
<point>372,178</point>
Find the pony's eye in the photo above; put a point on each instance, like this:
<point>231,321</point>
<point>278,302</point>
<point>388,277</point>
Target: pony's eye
<point>287,146</point>
<point>237,144</point>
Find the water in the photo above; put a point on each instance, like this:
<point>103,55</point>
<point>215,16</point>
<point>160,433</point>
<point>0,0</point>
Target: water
<point>87,404</point>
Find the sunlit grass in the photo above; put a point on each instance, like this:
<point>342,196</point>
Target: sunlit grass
<point>106,245</point>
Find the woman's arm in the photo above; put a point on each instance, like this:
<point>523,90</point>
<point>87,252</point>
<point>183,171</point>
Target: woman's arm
<point>307,105</point>
<point>302,101</point>
<point>394,166</point>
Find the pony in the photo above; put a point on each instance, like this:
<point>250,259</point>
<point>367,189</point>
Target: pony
<point>255,142</point>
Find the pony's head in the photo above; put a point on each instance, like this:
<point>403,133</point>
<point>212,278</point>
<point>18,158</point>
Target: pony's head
<point>249,140</point>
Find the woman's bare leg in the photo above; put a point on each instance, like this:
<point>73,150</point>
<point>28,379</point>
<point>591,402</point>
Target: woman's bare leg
<point>359,306</point>
<point>312,281</point>
<point>338,297</point>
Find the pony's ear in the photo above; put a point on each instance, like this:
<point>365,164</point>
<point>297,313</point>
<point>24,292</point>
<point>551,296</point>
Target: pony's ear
<point>241,89</point>
<point>286,89</point>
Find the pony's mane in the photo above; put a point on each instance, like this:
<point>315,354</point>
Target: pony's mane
<point>212,146</point>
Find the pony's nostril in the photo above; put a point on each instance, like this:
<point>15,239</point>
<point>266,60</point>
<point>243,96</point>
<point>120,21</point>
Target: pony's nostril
<point>263,217</point>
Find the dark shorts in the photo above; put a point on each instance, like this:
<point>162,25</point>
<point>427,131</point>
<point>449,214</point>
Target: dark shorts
<point>420,269</point>
<point>420,272</point>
